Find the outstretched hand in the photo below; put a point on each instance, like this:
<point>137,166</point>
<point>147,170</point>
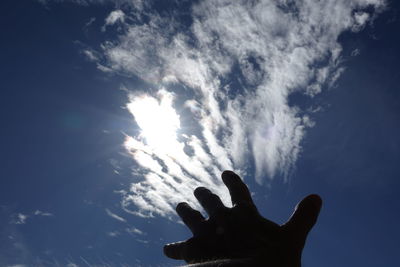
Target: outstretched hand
<point>241,232</point>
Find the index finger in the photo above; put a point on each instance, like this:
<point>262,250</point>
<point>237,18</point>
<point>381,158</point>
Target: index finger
<point>237,189</point>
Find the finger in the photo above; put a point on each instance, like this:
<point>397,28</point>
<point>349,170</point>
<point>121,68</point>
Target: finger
<point>304,216</point>
<point>191,217</point>
<point>210,202</point>
<point>175,250</point>
<point>192,250</point>
<point>238,190</point>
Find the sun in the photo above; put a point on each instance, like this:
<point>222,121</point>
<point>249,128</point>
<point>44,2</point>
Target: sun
<point>157,120</point>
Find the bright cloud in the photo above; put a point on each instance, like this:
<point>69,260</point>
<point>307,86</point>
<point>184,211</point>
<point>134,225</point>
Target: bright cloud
<point>157,119</point>
<point>238,62</point>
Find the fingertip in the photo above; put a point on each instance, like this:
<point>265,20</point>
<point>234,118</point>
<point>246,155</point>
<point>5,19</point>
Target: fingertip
<point>165,250</point>
<point>199,190</point>
<point>173,251</point>
<point>312,200</point>
<point>305,215</point>
<point>317,199</point>
<point>309,207</point>
<point>181,205</point>
<point>229,177</point>
<point>227,172</point>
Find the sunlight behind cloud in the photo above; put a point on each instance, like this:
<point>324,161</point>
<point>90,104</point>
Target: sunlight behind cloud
<point>157,120</point>
<point>169,172</point>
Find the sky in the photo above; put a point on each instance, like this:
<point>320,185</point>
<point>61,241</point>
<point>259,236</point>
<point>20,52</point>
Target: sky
<point>114,111</point>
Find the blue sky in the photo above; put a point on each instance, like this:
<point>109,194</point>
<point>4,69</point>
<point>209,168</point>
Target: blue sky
<point>297,98</point>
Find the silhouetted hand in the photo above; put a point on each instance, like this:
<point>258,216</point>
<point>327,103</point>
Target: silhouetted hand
<point>241,232</point>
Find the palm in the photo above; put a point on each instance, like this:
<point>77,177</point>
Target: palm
<point>241,232</point>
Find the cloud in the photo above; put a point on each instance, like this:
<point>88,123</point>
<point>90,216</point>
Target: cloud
<point>237,62</point>
<point>113,234</point>
<point>360,18</point>
<point>90,22</point>
<point>137,4</point>
<point>355,52</point>
<point>42,213</point>
<point>115,16</point>
<point>133,230</point>
<point>19,218</point>
<point>90,55</point>
<point>115,216</point>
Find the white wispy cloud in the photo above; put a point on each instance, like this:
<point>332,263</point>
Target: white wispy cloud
<point>113,234</point>
<point>238,62</point>
<point>115,216</point>
<point>137,4</point>
<point>115,16</point>
<point>42,213</point>
<point>90,55</point>
<point>133,230</point>
<point>19,218</point>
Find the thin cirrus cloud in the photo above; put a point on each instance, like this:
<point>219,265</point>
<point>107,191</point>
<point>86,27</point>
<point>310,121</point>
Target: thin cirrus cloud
<point>115,216</point>
<point>238,62</point>
<point>20,218</point>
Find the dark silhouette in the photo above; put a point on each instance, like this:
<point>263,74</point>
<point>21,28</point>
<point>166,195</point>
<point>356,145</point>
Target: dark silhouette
<point>240,236</point>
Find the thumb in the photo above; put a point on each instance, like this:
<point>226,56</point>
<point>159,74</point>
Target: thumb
<point>304,217</point>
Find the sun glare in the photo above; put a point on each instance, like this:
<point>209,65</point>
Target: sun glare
<point>157,120</point>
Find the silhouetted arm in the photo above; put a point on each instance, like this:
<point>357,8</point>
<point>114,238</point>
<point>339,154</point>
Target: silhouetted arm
<point>240,236</point>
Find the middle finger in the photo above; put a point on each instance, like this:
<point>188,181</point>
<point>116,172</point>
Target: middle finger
<point>210,202</point>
